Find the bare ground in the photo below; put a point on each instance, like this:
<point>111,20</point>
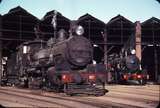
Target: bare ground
<point>125,96</point>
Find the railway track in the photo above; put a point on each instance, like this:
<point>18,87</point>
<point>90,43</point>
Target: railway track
<point>39,100</point>
<point>118,96</point>
<point>73,100</point>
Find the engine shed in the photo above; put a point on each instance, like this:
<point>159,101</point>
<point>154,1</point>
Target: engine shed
<point>18,26</point>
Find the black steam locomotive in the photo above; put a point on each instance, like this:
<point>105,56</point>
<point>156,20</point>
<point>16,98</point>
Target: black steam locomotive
<point>63,63</point>
<point>126,69</point>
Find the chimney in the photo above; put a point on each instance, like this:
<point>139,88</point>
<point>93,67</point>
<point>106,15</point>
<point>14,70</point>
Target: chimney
<point>138,40</point>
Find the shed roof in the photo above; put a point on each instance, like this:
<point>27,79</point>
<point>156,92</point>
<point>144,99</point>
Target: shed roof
<point>119,30</point>
<point>151,21</point>
<point>17,27</point>
<point>93,27</point>
<point>151,31</point>
<point>46,26</point>
<point>89,17</point>
<point>119,18</point>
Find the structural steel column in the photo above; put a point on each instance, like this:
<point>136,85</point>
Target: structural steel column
<point>105,46</point>
<point>138,40</point>
<point>108,75</point>
<point>0,49</point>
<point>156,62</point>
<point>155,54</point>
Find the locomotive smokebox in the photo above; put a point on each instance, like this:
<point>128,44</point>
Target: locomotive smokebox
<point>132,62</point>
<point>79,51</point>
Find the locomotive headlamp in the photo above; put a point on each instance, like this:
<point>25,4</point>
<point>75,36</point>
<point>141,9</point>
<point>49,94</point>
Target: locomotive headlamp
<point>92,77</point>
<point>139,76</point>
<point>133,51</point>
<point>125,77</point>
<point>79,30</point>
<point>66,78</point>
<point>24,49</point>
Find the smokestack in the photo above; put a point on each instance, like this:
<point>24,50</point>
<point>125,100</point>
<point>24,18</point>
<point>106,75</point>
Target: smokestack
<point>138,40</point>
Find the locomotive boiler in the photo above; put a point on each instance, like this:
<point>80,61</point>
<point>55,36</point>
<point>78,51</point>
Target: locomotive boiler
<point>63,63</point>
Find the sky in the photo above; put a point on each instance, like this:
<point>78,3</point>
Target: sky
<point>104,10</point>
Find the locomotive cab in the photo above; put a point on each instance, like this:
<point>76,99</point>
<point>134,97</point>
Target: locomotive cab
<point>28,50</point>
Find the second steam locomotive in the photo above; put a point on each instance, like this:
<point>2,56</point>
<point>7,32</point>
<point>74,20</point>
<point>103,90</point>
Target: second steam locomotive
<point>126,69</point>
